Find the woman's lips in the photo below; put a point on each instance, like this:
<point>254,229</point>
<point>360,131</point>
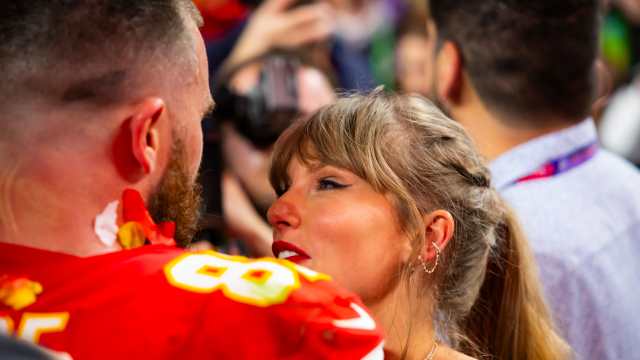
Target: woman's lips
<point>284,250</point>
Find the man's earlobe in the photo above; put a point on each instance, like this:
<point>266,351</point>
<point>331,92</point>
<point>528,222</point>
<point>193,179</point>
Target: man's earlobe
<point>145,133</point>
<point>449,72</point>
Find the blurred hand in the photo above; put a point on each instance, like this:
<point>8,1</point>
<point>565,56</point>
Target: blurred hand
<point>249,164</point>
<point>314,90</point>
<point>242,219</point>
<point>273,26</point>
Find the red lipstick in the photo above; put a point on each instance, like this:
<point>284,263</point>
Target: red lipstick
<point>284,250</point>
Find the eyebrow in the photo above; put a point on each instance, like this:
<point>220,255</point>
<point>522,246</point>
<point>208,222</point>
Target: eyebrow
<point>315,165</point>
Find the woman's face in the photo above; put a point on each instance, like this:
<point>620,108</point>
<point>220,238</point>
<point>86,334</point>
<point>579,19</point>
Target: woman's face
<point>333,221</point>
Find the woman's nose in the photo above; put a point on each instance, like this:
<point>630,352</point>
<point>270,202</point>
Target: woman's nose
<point>284,213</point>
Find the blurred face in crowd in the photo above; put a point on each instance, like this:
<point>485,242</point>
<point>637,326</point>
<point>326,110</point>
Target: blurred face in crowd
<point>414,64</point>
<point>177,196</point>
<point>333,221</point>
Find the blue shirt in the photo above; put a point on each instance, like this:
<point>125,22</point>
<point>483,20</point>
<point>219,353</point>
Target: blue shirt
<point>584,228</point>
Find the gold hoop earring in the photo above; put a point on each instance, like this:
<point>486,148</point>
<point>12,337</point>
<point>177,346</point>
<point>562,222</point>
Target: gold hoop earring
<point>435,264</point>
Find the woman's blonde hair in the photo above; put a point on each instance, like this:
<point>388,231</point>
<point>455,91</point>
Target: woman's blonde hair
<point>486,290</point>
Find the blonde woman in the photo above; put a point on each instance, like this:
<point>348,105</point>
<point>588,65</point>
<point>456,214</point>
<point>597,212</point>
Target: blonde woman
<point>389,196</point>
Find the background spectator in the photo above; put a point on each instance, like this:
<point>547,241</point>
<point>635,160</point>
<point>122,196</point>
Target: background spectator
<point>528,113</point>
<point>412,62</point>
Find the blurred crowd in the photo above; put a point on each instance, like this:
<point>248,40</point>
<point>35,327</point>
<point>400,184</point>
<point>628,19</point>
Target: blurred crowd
<point>465,171</point>
<point>283,60</point>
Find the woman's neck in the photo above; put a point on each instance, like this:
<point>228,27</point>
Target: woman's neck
<point>407,323</point>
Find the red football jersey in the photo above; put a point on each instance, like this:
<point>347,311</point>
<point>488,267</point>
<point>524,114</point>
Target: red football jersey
<point>160,302</point>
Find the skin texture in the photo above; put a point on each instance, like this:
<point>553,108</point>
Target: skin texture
<point>413,67</point>
<point>343,224</point>
<point>71,158</point>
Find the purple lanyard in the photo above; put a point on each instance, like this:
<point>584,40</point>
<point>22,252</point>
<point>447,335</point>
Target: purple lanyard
<point>562,164</point>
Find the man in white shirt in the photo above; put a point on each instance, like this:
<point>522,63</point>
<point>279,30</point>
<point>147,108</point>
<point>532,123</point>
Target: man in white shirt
<point>519,75</point>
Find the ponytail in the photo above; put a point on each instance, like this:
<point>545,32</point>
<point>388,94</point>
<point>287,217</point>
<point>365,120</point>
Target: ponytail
<point>510,319</point>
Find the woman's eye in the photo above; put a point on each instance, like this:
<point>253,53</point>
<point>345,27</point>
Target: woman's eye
<point>328,184</point>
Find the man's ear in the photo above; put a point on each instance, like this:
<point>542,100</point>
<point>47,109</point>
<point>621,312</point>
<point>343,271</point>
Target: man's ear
<point>449,72</point>
<point>145,133</point>
<point>439,228</point>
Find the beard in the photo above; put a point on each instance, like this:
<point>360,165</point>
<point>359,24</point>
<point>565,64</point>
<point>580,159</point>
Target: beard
<point>178,197</point>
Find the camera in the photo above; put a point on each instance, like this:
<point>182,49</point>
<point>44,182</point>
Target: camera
<point>263,113</point>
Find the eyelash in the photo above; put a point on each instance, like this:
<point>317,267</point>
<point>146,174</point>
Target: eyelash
<point>323,183</point>
<point>280,191</point>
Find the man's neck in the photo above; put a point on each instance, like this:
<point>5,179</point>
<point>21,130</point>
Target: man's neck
<point>493,137</point>
<point>57,231</point>
<point>49,215</point>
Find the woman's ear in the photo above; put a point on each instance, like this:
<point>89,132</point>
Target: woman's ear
<point>439,228</point>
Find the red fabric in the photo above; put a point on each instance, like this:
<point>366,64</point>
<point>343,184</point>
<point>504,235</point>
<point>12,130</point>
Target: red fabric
<point>121,306</point>
<point>134,209</point>
<point>220,16</point>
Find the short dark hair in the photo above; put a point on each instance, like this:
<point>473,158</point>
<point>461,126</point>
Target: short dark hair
<point>526,58</point>
<point>70,50</point>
